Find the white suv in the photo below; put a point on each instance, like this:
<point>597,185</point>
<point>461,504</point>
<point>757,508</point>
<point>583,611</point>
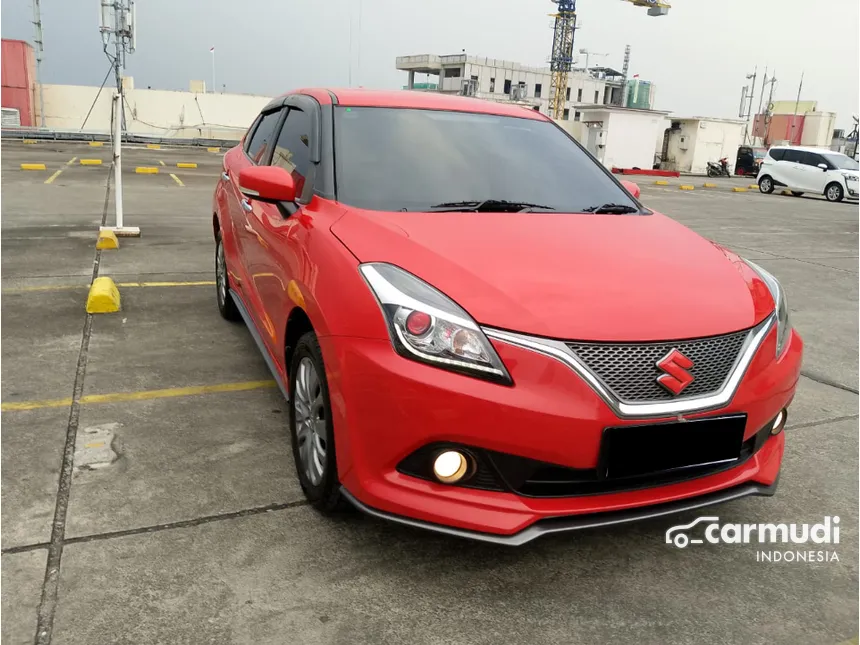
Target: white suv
<point>809,170</point>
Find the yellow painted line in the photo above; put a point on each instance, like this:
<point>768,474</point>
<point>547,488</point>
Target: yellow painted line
<point>153,146</point>
<point>183,164</point>
<point>177,179</point>
<point>33,166</point>
<point>161,162</point>
<point>91,162</point>
<point>53,177</point>
<point>71,161</point>
<point>94,444</point>
<point>738,189</point>
<point>97,144</point>
<point>687,187</point>
<point>146,170</point>
<point>213,149</point>
<point>143,395</point>
<point>71,287</point>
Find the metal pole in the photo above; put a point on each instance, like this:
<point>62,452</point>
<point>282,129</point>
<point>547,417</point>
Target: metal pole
<point>769,103</point>
<point>760,102</point>
<point>117,156</point>
<point>796,105</point>
<point>37,21</point>
<point>214,85</point>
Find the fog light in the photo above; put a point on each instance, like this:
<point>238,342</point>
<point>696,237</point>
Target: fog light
<point>779,422</point>
<point>450,466</point>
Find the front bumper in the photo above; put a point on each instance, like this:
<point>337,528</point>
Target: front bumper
<point>385,407</point>
<point>550,525</point>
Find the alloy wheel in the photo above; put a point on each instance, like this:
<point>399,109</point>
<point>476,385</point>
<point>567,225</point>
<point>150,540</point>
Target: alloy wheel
<point>833,193</point>
<point>221,273</point>
<point>309,409</point>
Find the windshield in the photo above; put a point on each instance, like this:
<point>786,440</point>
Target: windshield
<point>394,159</point>
<point>842,162</point>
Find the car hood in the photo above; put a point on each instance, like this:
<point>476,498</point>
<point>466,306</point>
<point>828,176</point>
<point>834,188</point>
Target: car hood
<point>577,276</point>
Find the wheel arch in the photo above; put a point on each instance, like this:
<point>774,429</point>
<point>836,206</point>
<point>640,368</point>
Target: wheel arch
<point>298,324</point>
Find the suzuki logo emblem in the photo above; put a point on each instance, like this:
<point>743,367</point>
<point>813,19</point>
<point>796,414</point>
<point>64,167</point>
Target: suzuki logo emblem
<point>676,377</point>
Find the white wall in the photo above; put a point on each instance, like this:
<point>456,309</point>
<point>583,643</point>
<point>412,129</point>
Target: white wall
<point>818,129</point>
<point>630,139</point>
<point>161,113</point>
<point>715,140</point>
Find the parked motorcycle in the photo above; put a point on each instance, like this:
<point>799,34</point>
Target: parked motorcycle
<point>719,169</point>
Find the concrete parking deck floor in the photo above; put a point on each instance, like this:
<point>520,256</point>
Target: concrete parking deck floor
<point>197,532</point>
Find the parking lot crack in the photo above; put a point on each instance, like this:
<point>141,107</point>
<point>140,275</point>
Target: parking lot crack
<point>818,378</point>
<point>48,601</point>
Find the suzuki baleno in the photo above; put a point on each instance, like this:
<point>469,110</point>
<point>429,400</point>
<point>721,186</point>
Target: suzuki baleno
<point>481,332</point>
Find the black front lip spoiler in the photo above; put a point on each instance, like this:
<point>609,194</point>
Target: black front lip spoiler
<point>575,522</point>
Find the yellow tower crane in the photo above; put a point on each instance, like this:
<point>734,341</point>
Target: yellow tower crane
<point>561,59</point>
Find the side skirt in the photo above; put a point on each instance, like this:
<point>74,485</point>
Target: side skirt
<point>259,340</point>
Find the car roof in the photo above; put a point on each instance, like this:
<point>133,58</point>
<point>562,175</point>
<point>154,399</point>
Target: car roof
<point>360,97</point>
<point>808,149</point>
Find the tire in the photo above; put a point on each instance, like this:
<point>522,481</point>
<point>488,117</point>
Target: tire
<point>714,173</point>
<point>311,429</point>
<point>226,306</point>
<point>765,185</point>
<point>834,192</point>
<point>796,194</point>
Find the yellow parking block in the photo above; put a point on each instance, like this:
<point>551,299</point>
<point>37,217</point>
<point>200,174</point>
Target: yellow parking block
<point>33,166</point>
<point>786,192</point>
<point>91,162</point>
<point>213,149</point>
<point>103,297</point>
<point>97,144</point>
<point>661,182</point>
<point>153,146</point>
<point>183,164</point>
<point>739,189</point>
<point>107,240</point>
<point>30,141</point>
<point>709,185</point>
<point>687,187</point>
<point>753,186</point>
<point>146,170</point>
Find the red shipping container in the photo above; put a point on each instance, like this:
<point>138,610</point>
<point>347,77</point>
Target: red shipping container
<point>19,79</point>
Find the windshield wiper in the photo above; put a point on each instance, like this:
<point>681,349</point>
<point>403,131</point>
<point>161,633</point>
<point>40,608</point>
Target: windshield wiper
<point>501,205</point>
<point>611,209</point>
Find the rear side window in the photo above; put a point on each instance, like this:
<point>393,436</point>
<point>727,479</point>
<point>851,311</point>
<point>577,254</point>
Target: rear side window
<point>794,156</point>
<point>261,140</point>
<point>292,151</point>
<point>777,154</point>
<point>813,159</point>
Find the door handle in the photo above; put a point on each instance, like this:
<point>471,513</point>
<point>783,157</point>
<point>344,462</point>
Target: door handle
<point>225,176</point>
<point>247,206</point>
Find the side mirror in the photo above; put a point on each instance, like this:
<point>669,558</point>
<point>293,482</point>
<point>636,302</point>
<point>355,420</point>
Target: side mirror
<point>824,167</point>
<point>267,184</point>
<point>632,188</point>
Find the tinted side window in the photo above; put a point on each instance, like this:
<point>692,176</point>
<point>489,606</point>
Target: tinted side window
<point>292,151</point>
<point>261,140</point>
<point>795,156</point>
<point>777,154</point>
<point>813,159</point>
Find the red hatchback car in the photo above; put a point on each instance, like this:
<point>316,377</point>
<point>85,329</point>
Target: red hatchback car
<point>482,332</point>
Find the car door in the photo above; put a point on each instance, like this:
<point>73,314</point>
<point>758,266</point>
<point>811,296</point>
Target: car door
<point>815,178</point>
<point>280,230</point>
<point>792,169</point>
<point>257,151</point>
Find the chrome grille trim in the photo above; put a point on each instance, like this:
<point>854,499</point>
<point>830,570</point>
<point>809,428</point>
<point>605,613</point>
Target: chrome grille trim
<point>562,353</point>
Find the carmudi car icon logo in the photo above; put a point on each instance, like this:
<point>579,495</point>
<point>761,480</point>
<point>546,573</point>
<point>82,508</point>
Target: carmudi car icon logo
<point>708,530</point>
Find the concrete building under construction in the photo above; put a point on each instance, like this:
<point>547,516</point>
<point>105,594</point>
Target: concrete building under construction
<point>499,80</point>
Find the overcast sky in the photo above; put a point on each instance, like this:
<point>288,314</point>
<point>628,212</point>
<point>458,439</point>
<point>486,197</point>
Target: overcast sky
<point>698,55</point>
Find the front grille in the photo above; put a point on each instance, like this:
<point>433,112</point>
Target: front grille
<point>630,370</point>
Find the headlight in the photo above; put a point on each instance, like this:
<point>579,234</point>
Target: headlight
<point>783,324</point>
<point>427,326</point>
<point>851,178</point>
